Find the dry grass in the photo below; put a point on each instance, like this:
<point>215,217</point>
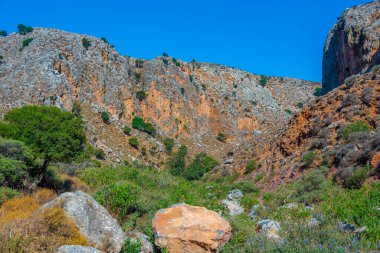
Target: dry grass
<point>24,227</point>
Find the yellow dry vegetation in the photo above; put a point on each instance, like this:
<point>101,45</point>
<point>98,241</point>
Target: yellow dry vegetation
<point>25,227</point>
<point>74,183</point>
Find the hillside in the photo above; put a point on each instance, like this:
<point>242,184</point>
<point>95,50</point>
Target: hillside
<point>189,102</point>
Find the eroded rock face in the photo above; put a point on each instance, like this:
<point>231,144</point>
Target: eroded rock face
<point>92,220</point>
<point>353,45</point>
<point>185,228</point>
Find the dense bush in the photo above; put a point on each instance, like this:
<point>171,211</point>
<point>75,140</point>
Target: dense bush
<point>7,193</point>
<point>106,117</point>
<point>177,163</point>
<point>77,109</point>
<point>134,142</point>
<point>104,40</point>
<point>86,43</point>
<point>140,124</point>
<point>22,29</point>
<point>53,135</point>
<point>264,80</point>
<point>139,63</point>
<point>120,198</point>
<point>99,154</point>
<point>26,43</point>
<point>357,177</point>
<point>250,166</point>
<point>309,187</point>
<point>169,145</point>
<point>308,158</point>
<point>221,137</point>
<point>127,130</point>
<point>164,54</point>
<point>202,164</point>
<point>318,91</point>
<point>3,33</point>
<point>141,95</point>
<point>355,127</point>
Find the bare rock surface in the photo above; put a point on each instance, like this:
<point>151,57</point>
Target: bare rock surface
<point>185,228</point>
<point>92,220</point>
<point>353,45</point>
<point>77,249</point>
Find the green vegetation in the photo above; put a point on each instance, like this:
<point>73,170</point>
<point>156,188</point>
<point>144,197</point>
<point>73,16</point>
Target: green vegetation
<point>104,40</point>
<point>250,166</point>
<point>86,43</point>
<point>264,80</point>
<point>182,90</point>
<point>139,63</point>
<point>177,163</point>
<point>7,193</point>
<point>165,61</point>
<point>356,179</point>
<point>141,95</point>
<point>132,247</point>
<point>355,127</point>
<point>191,78</point>
<point>3,33</point>
<point>134,142</point>
<point>127,130</point>
<point>22,29</point>
<point>221,137</point>
<point>308,158</point>
<point>26,43</point>
<point>318,91</point>
<point>106,117</point>
<point>99,154</point>
<point>164,54</point>
<point>288,111</point>
<point>140,124</point>
<point>77,109</point>
<point>169,145</point>
<point>201,164</point>
<point>51,134</point>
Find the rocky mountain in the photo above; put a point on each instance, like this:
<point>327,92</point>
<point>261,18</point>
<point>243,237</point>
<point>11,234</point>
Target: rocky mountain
<point>353,45</point>
<point>189,102</point>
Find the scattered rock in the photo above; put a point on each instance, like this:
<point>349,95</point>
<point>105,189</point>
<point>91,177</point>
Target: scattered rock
<point>77,249</point>
<point>291,206</point>
<point>313,222</point>
<point>269,228</point>
<point>229,161</point>
<point>185,228</point>
<point>147,247</point>
<point>360,230</point>
<point>346,227</point>
<point>92,220</point>
<point>232,202</point>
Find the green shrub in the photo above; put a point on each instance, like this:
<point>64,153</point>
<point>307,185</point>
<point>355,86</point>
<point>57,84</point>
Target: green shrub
<point>1,58</point>
<point>86,43</point>
<point>7,193</point>
<point>318,91</point>
<point>165,61</point>
<point>99,154</point>
<point>357,178</point>
<point>140,95</point>
<point>308,159</point>
<point>182,90</point>
<point>355,127</point>
<point>104,40</point>
<point>22,29</point>
<point>3,33</point>
<point>134,142</point>
<point>120,198</point>
<point>259,177</point>
<point>12,172</point>
<point>127,130</point>
<point>178,64</point>
<point>139,63</point>
<point>263,80</point>
<point>149,128</point>
<point>77,109</point>
<point>169,145</point>
<point>137,76</point>
<point>138,123</point>
<point>106,117</point>
<point>177,163</point>
<point>191,78</point>
<point>288,111</point>
<point>250,166</point>
<point>221,137</point>
<point>132,247</point>
<point>310,187</point>
<point>26,43</point>
<point>164,54</point>
<point>202,164</point>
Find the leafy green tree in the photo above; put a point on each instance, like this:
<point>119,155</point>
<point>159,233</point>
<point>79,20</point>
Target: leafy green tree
<point>104,40</point>
<point>202,164</point>
<point>169,145</point>
<point>141,95</point>
<point>138,123</point>
<point>86,43</point>
<point>177,163</point>
<point>149,128</point>
<point>26,43</point>
<point>3,33</point>
<point>23,29</point>
<point>264,80</point>
<point>53,135</point>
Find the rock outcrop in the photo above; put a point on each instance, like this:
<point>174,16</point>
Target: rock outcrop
<point>185,228</point>
<point>92,220</point>
<point>353,45</point>
<point>192,102</point>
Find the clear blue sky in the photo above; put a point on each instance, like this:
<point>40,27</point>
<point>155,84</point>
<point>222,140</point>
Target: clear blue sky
<point>272,37</point>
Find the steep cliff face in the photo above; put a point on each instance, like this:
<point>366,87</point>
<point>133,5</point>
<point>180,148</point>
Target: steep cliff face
<point>352,46</point>
<point>191,102</point>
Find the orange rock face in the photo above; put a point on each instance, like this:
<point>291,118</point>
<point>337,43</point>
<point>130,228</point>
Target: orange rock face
<point>185,228</point>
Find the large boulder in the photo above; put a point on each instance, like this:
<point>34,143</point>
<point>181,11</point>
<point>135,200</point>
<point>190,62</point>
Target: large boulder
<point>352,46</point>
<point>185,228</point>
<point>92,220</point>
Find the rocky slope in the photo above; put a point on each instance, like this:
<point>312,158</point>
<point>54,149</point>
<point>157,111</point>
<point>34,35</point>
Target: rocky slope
<point>352,46</point>
<point>191,102</point>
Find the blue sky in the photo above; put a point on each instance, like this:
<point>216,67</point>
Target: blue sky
<point>272,37</point>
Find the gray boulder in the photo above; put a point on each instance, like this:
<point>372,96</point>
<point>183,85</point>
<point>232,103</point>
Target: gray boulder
<point>232,203</point>
<point>77,249</point>
<point>269,228</point>
<point>92,220</point>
